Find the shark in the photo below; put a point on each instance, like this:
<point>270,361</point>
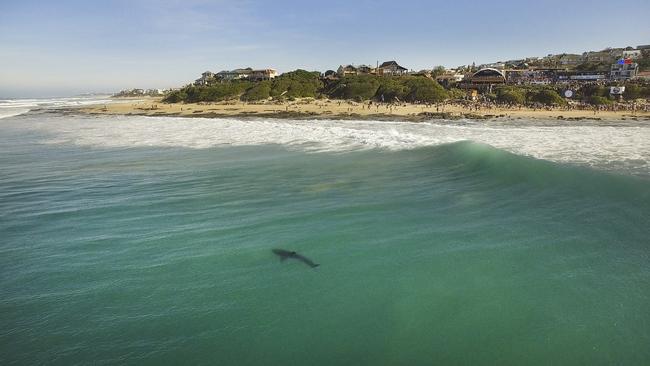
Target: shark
<point>284,254</point>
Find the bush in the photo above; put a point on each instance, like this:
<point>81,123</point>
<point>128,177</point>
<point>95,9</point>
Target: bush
<point>390,90</point>
<point>259,91</point>
<point>545,96</point>
<point>598,100</point>
<point>422,89</point>
<point>361,87</point>
<point>511,96</point>
<point>297,84</point>
<point>176,96</point>
<point>455,93</point>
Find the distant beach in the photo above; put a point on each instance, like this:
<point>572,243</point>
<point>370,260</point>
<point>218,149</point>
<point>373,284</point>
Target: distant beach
<point>335,109</point>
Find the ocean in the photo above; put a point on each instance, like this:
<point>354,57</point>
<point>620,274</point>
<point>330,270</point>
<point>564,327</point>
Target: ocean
<point>148,241</point>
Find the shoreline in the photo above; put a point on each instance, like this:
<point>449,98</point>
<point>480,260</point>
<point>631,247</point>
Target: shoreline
<point>346,110</point>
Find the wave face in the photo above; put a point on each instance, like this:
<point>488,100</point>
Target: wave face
<point>148,240</point>
<point>624,148</point>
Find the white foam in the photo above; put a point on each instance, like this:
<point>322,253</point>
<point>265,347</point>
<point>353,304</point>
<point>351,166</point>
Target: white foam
<point>14,107</point>
<point>586,144</point>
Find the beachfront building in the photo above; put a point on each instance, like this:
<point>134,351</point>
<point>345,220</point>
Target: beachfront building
<point>262,74</point>
<point>580,76</point>
<point>365,69</point>
<point>567,59</point>
<point>624,71</point>
<point>205,79</point>
<point>600,56</point>
<point>236,74</point>
<point>346,70</point>
<point>330,75</point>
<point>484,79</point>
<point>540,76</point>
<point>488,76</point>
<point>391,68</point>
<point>246,74</point>
<point>449,77</point>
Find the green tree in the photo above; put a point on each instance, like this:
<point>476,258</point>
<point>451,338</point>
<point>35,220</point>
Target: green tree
<point>361,87</point>
<point>297,84</point>
<point>545,96</point>
<point>598,100</point>
<point>511,96</point>
<point>437,71</point>
<point>259,91</point>
<point>421,89</point>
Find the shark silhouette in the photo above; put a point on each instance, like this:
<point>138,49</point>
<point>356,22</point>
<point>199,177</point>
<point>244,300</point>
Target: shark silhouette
<point>284,254</point>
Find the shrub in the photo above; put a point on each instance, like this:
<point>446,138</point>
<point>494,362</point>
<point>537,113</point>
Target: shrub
<point>511,96</point>
<point>598,100</point>
<point>259,91</point>
<point>545,96</point>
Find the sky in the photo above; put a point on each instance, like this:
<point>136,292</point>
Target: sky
<point>67,47</point>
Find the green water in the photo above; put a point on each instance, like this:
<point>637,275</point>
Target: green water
<point>456,254</point>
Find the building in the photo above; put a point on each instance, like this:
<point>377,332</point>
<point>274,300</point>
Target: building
<point>632,54</point>
<point>246,74</point>
<point>601,56</point>
<point>391,68</point>
<point>346,70</point>
<point>483,79</point>
<point>263,74</point>
<point>449,78</point>
<point>624,71</point>
<point>365,69</point>
<point>580,76</point>
<point>205,79</point>
<point>539,76</point>
<point>569,59</point>
<point>488,76</point>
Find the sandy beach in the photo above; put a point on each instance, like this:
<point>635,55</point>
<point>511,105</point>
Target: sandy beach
<point>334,109</point>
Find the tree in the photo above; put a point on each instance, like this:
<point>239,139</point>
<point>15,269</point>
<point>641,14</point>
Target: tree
<point>511,96</point>
<point>598,100</point>
<point>259,91</point>
<point>359,87</point>
<point>437,71</point>
<point>421,89</point>
<point>546,96</point>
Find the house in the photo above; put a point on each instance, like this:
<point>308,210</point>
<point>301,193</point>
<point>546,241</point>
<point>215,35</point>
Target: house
<point>391,68</point>
<point>494,65</point>
<point>601,56</point>
<point>330,75</point>
<point>346,70</point>
<point>206,78</point>
<point>624,71</point>
<point>449,77</point>
<point>365,69</point>
<point>236,74</point>
<point>263,74</point>
<point>569,59</point>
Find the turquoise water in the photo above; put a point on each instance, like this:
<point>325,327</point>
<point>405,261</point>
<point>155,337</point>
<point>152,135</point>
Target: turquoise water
<point>118,249</point>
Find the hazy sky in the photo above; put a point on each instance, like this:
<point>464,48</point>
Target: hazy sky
<point>66,47</point>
